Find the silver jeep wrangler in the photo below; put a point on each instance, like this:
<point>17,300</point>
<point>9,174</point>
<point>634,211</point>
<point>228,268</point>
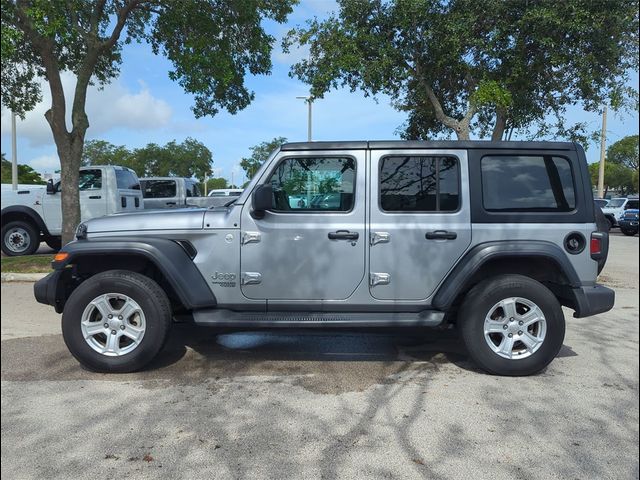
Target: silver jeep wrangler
<point>492,238</point>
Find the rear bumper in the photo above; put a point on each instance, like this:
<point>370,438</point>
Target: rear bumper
<point>588,301</point>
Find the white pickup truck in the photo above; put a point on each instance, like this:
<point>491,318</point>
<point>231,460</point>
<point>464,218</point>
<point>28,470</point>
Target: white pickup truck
<point>34,214</point>
<point>178,192</point>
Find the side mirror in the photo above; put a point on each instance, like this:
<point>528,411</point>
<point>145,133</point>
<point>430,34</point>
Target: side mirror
<point>50,188</point>
<point>261,200</point>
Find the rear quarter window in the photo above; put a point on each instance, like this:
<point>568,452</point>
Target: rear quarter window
<point>127,180</point>
<point>158,188</point>
<point>527,183</point>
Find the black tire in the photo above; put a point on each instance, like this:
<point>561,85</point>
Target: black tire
<point>54,243</point>
<point>611,222</point>
<point>150,297</point>
<point>629,232</point>
<point>480,300</point>
<point>22,231</point>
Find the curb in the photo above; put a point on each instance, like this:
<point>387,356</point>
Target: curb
<point>22,277</point>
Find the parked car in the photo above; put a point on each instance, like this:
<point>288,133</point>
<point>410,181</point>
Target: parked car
<point>629,222</point>
<point>397,251</point>
<point>33,214</point>
<point>174,192</point>
<point>226,192</point>
<point>616,208</point>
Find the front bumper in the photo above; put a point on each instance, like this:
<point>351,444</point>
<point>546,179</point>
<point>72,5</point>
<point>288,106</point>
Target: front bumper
<point>590,301</point>
<point>628,224</point>
<point>51,291</point>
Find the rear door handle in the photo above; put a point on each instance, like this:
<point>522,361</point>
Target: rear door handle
<point>171,203</point>
<point>95,197</point>
<point>441,235</point>
<point>343,235</point>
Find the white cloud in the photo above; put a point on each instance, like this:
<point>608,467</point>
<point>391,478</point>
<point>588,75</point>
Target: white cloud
<point>114,107</point>
<point>45,163</point>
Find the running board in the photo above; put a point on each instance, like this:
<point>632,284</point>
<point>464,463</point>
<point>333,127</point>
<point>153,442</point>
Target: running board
<point>230,318</point>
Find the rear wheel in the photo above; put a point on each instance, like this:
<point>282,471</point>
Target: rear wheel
<point>116,321</point>
<point>511,325</point>
<point>19,238</point>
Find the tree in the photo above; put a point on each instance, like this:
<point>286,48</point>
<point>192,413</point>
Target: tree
<point>211,45</point>
<point>259,154</point>
<point>190,158</point>
<point>26,174</point>
<point>218,183</point>
<point>101,152</point>
<point>616,177</point>
<point>624,152</point>
<point>483,67</point>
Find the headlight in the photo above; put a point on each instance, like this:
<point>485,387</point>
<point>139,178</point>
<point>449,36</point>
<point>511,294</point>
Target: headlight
<point>81,231</point>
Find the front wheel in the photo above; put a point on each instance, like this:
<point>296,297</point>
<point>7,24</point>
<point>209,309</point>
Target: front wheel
<point>629,232</point>
<point>511,325</point>
<point>116,321</point>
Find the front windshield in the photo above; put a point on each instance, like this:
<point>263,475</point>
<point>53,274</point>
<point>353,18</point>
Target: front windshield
<point>616,203</point>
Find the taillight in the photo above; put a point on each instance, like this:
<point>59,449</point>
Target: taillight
<point>596,245</point>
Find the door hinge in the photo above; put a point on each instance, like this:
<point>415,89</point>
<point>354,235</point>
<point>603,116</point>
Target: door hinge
<point>379,237</point>
<point>250,237</point>
<point>251,278</point>
<point>379,279</point>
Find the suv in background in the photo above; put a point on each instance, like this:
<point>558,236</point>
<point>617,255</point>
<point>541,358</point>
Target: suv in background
<point>629,222</point>
<point>616,208</point>
<point>34,214</point>
<point>396,250</point>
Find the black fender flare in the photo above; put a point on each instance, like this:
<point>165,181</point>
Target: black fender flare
<point>29,212</point>
<point>457,280</point>
<point>171,259</point>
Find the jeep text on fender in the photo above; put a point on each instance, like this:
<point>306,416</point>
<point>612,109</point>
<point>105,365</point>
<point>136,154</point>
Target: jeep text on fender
<point>493,237</point>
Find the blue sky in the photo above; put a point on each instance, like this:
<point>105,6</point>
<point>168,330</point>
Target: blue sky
<point>144,106</point>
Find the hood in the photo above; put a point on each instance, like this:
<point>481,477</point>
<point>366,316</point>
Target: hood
<point>169,219</point>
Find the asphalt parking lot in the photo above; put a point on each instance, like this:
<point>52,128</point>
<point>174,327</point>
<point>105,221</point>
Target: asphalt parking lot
<point>323,404</point>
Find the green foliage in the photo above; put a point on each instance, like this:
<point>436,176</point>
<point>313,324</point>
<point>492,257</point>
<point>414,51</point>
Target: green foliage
<point>218,183</point>
<point>624,152</point>
<point>26,174</point>
<point>259,154</point>
<point>473,66</point>
<point>616,177</point>
<point>189,159</point>
<point>200,38</point>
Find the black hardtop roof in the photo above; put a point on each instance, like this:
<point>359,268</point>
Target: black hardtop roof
<point>436,144</point>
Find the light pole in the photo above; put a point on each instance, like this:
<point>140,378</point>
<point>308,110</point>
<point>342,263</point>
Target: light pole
<point>603,151</point>
<point>309,104</point>
<point>14,154</point>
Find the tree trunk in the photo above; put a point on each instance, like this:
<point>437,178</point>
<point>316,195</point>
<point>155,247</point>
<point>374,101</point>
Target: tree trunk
<point>70,160</point>
<point>499,127</point>
<point>463,133</point>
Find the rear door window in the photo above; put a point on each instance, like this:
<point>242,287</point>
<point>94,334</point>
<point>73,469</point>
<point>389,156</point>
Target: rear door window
<point>127,180</point>
<point>419,184</point>
<point>158,188</point>
<point>527,183</point>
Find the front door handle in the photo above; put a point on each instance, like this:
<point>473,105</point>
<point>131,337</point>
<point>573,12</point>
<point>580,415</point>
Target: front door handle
<point>441,235</point>
<point>343,235</point>
<point>95,197</point>
<point>171,203</point>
